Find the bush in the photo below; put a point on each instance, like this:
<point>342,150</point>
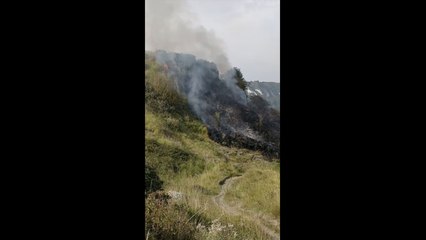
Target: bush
<point>152,181</point>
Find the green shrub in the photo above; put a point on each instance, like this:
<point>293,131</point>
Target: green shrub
<point>152,181</point>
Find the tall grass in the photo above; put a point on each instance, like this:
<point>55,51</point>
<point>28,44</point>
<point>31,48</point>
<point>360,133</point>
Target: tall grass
<point>258,189</point>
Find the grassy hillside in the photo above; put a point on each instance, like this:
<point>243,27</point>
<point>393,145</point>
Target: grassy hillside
<point>179,151</point>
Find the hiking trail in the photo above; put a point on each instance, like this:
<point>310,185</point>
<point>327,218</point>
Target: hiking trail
<point>258,218</point>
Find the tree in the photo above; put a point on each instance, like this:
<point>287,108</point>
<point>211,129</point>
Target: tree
<point>241,82</point>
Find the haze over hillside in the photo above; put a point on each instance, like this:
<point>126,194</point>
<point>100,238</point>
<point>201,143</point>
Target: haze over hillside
<point>270,91</point>
<point>232,115</point>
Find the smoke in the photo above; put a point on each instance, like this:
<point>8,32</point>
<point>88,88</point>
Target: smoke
<point>231,119</point>
<point>170,26</point>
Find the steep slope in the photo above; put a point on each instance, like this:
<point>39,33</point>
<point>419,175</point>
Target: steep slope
<point>270,91</point>
<point>191,168</point>
<point>232,117</point>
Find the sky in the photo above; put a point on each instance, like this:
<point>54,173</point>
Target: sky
<point>247,31</point>
<point>250,31</point>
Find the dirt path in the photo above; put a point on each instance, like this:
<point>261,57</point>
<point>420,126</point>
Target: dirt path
<point>257,218</point>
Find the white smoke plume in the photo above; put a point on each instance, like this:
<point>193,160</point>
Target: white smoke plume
<point>170,26</point>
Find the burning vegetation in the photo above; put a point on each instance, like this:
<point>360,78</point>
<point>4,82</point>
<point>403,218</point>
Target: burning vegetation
<point>232,117</point>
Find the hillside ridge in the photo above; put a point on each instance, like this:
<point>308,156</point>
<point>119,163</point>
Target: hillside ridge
<point>233,117</point>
